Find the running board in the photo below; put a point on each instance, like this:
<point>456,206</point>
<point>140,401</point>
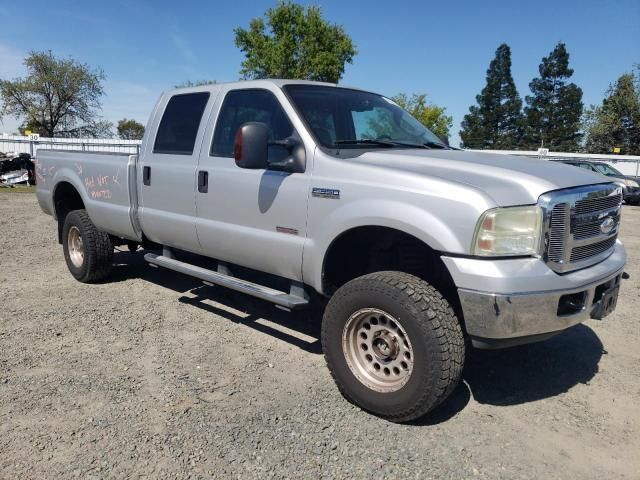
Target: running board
<point>277,297</point>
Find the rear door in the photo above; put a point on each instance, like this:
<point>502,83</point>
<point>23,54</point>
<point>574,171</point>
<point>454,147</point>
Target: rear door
<point>167,172</point>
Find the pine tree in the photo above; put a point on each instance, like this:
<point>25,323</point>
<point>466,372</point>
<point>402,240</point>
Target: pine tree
<point>496,122</point>
<point>616,123</point>
<point>553,111</point>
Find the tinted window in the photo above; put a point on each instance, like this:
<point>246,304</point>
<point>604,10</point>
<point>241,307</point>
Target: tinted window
<point>179,125</point>
<point>350,117</point>
<point>242,106</point>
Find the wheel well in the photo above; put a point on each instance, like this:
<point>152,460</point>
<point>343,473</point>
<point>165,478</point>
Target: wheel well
<point>370,249</point>
<point>65,199</point>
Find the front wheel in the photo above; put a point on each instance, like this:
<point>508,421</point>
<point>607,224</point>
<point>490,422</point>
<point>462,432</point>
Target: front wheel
<point>87,250</point>
<point>393,345</point>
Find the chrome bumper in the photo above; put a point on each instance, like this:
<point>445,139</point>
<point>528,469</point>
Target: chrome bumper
<point>566,301</point>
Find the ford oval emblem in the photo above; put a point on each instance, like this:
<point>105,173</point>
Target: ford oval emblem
<point>607,225</point>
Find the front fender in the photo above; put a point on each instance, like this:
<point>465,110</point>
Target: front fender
<point>410,219</point>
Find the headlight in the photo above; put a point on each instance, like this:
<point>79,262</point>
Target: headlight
<point>508,231</point>
<point>631,183</point>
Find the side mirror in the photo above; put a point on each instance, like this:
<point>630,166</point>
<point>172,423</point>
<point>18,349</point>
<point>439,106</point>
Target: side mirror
<point>295,161</point>
<point>445,139</point>
<point>251,146</point>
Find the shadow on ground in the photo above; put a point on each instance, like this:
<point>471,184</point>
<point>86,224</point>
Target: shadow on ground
<point>496,377</point>
<point>301,329</point>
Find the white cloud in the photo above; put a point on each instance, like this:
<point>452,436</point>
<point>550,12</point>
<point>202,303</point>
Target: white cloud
<point>183,47</point>
<point>125,99</point>
<point>11,59</point>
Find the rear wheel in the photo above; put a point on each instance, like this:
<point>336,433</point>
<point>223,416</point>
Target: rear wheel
<point>393,345</point>
<point>87,251</point>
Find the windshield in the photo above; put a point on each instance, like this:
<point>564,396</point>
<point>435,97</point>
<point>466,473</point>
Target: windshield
<point>606,169</point>
<point>344,118</point>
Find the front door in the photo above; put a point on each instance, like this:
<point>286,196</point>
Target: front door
<point>254,218</point>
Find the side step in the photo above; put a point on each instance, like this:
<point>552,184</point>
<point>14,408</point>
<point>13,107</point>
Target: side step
<point>291,302</point>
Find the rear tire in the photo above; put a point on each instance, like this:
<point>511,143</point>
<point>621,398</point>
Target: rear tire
<point>393,345</point>
<point>87,251</point>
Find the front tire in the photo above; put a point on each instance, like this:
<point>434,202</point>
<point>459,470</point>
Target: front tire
<point>87,250</point>
<point>393,345</point>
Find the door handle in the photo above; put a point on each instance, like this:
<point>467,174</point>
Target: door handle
<point>146,175</point>
<point>203,181</point>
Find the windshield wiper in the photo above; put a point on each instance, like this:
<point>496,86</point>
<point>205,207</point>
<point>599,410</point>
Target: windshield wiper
<point>432,144</point>
<point>382,143</point>
<point>364,141</point>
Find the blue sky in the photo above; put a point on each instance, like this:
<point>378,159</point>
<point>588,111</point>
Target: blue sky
<point>441,48</point>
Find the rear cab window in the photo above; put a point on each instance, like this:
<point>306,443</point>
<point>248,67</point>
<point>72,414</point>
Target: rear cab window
<point>180,122</point>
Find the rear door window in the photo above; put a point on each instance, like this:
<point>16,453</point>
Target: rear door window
<point>180,123</point>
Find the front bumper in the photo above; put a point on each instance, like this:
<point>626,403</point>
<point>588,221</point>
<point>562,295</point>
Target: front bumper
<point>507,302</point>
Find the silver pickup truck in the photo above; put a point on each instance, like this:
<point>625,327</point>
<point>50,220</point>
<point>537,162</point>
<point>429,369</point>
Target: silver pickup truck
<point>415,251</point>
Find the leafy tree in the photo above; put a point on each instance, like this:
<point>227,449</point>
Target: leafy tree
<point>431,116</point>
<point>130,129</point>
<point>496,121</point>
<point>294,42</point>
<point>57,98</point>
<point>616,123</point>
<point>197,83</point>
<point>553,111</point>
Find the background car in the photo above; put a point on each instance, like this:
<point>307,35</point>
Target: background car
<point>630,185</point>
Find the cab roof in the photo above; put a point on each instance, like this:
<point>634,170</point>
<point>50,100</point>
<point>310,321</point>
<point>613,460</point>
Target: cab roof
<point>279,82</point>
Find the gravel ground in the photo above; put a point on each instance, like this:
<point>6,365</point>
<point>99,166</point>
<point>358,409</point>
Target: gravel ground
<point>154,375</point>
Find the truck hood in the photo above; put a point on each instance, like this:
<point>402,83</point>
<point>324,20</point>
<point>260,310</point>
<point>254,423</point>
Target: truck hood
<point>507,179</point>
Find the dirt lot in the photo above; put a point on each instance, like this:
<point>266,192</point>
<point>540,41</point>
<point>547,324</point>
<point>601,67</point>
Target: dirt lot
<point>154,375</point>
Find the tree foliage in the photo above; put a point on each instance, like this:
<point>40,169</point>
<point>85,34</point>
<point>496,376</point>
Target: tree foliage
<point>130,129</point>
<point>553,111</point>
<point>294,42</point>
<point>57,98</point>
<point>431,116</point>
<point>616,123</point>
<point>496,121</point>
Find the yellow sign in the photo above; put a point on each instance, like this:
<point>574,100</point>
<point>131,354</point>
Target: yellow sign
<point>27,133</point>
<point>616,149</point>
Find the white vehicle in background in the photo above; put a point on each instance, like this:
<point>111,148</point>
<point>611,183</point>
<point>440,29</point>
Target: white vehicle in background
<point>17,168</point>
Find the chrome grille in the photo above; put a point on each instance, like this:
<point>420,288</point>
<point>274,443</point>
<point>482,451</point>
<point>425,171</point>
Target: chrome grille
<point>588,251</point>
<point>557,234</point>
<point>591,228</point>
<point>574,225</point>
<point>597,203</point>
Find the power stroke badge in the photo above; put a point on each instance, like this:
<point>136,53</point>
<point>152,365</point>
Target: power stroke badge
<point>326,193</point>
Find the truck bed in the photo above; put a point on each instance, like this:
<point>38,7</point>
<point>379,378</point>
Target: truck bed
<point>105,181</point>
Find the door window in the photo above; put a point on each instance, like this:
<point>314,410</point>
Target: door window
<point>180,123</point>
<point>242,106</point>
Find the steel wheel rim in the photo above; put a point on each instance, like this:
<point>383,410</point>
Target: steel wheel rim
<point>377,350</point>
<point>75,246</point>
